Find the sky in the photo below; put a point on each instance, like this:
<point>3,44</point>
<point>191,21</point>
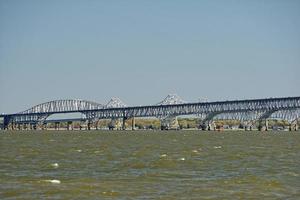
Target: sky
<point>141,51</point>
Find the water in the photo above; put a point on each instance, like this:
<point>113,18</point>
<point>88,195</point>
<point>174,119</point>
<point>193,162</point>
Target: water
<point>149,165</point>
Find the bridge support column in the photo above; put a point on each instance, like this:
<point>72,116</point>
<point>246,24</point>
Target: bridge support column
<point>12,126</point>
<point>123,123</point>
<point>117,124</point>
<point>56,125</point>
<point>203,126</point>
<point>248,126</point>
<point>6,121</point>
<point>169,123</point>
<point>44,126</point>
<point>293,127</point>
<point>69,126</point>
<point>212,126</point>
<point>263,125</point>
<point>208,126</point>
<point>133,123</point>
<point>89,125</point>
<point>96,124</point>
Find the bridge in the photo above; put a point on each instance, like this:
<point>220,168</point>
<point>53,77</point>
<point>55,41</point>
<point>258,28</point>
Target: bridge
<point>248,111</point>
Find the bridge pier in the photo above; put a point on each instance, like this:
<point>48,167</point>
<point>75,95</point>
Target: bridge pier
<point>89,125</point>
<point>57,125</point>
<point>117,124</point>
<point>293,127</point>
<point>133,123</point>
<point>169,123</point>
<point>263,125</point>
<point>12,126</point>
<point>212,126</point>
<point>248,125</point>
<point>6,121</point>
<point>202,126</point>
<point>208,126</point>
<point>33,126</point>
<point>97,124</point>
<point>69,125</point>
<point>123,123</point>
<point>44,126</point>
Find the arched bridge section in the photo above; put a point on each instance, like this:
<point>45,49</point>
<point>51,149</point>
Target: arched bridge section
<point>60,106</point>
<point>42,111</point>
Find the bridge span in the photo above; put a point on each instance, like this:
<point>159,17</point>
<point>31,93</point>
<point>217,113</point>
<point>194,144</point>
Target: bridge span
<point>248,111</point>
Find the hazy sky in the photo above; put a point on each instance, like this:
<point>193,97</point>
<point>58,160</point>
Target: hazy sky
<point>140,51</point>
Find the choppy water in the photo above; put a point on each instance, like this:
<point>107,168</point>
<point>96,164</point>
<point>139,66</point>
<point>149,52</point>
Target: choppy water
<point>149,165</point>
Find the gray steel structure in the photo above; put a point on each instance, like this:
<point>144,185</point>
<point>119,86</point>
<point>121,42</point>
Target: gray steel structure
<point>245,110</point>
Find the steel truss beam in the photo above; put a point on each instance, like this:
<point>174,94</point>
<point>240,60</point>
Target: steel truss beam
<point>238,109</point>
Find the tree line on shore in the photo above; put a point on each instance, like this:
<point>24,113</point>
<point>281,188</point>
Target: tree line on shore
<point>184,123</point>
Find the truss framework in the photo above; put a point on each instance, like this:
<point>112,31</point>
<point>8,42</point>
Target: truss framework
<point>244,110</point>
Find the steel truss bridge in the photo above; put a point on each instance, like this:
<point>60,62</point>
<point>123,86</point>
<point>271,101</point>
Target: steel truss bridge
<point>248,111</point>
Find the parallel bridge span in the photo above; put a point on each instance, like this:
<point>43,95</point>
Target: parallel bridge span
<point>287,107</point>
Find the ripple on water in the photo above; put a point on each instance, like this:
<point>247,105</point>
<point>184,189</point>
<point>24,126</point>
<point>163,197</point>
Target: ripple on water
<point>113,165</point>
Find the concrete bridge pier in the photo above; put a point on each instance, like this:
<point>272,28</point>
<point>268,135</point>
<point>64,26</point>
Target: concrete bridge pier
<point>22,126</point>
<point>69,125</point>
<point>6,122</point>
<point>13,126</point>
<point>248,126</point>
<point>25,126</point>
<point>33,126</point>
<point>57,125</point>
<point>97,124</point>
<point>123,123</point>
<point>263,125</point>
<point>169,123</point>
<point>89,125</point>
<point>117,124</point>
<point>211,126</point>
<point>133,123</point>
<point>208,126</point>
<point>293,127</point>
<point>203,126</point>
<point>44,126</point>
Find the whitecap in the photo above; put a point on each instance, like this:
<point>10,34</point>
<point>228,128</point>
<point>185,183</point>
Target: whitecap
<point>182,159</point>
<point>217,147</point>
<point>163,155</point>
<point>79,150</point>
<point>54,181</point>
<point>55,165</point>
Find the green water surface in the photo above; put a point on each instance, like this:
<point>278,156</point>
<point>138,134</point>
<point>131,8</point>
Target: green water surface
<point>149,165</point>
